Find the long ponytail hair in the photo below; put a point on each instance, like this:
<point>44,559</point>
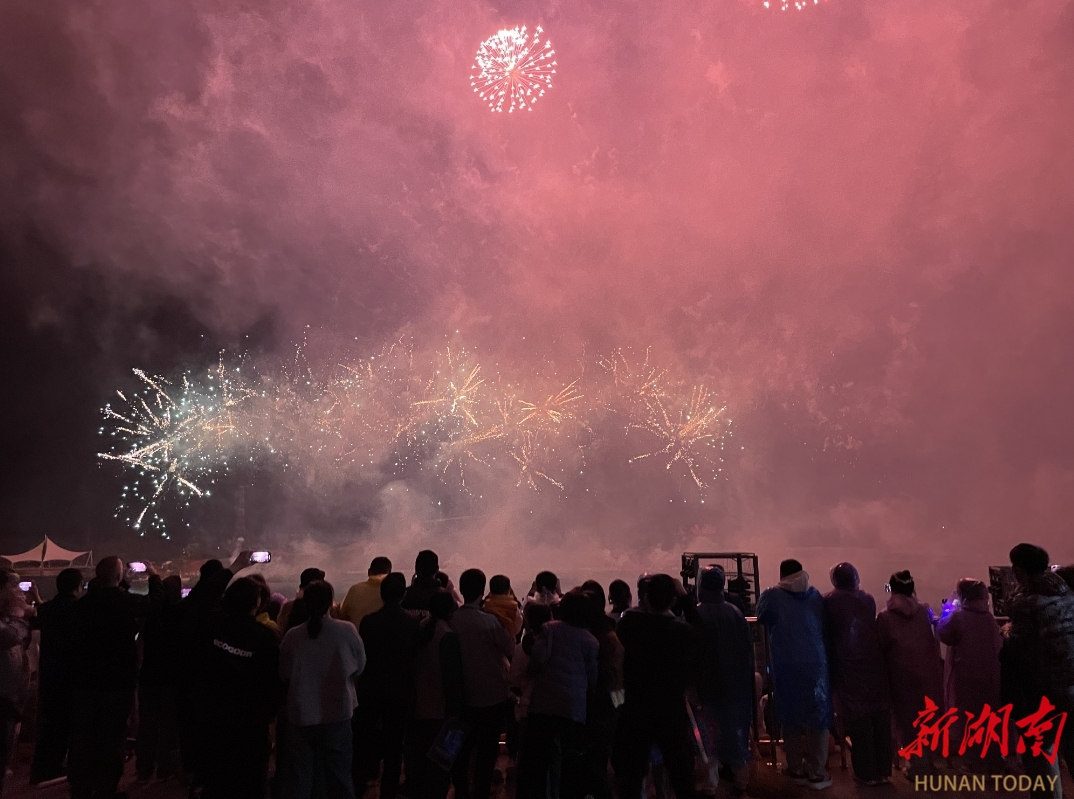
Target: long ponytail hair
<point>318,596</point>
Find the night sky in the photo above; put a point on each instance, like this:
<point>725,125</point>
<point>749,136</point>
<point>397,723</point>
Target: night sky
<point>854,222</point>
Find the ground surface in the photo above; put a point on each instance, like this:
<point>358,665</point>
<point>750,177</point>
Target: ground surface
<point>767,784</point>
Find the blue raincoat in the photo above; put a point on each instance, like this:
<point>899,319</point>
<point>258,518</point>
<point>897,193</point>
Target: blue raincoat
<point>795,622</point>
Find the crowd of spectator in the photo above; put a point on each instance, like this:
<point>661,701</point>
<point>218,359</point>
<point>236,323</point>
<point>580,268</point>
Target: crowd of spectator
<point>413,684</point>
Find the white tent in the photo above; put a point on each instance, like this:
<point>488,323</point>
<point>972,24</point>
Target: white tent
<point>48,555</point>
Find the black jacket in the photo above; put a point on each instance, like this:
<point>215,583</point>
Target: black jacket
<point>57,620</point>
<point>657,659</point>
<point>192,616</point>
<point>161,644</point>
<point>390,636</point>
<point>238,672</point>
<point>420,593</point>
<point>106,651</point>
<point>1041,634</point>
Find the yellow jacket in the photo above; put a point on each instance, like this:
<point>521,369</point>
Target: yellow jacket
<point>505,608</point>
<point>362,599</point>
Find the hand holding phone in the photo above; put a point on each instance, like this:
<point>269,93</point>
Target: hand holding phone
<point>25,586</point>
<point>137,567</point>
<point>262,556</point>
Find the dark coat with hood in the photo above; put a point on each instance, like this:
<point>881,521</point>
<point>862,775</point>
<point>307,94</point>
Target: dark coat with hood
<point>859,674</point>
<point>912,654</point>
<point>971,668</point>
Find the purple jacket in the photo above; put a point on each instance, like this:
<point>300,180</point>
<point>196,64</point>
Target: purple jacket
<point>915,669</point>
<point>859,674</point>
<point>971,669</point>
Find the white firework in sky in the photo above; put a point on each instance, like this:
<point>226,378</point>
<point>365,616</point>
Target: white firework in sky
<point>513,69</point>
<point>784,5</point>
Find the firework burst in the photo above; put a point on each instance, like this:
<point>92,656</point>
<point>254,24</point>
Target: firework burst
<point>552,410</point>
<point>686,437</point>
<point>173,443</point>
<point>403,413</point>
<point>513,69</point>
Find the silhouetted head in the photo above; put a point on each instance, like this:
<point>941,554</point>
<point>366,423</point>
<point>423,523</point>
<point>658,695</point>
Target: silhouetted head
<point>500,585</point>
<point>242,597</point>
<point>593,587</point>
<point>318,597</point>
<point>536,616</point>
<point>574,609</point>
<point>712,578</point>
<point>643,587</point>
<point>971,590</point>
<point>441,605</point>
<point>209,568</point>
<point>310,576</point>
<point>546,581</point>
<point>844,576</point>
<point>426,564</point>
<point>393,587</point>
<point>789,567</point>
<point>109,571</point>
<point>379,566</point>
<point>1028,560</point>
<point>69,581</point>
<point>619,595</point>
<point>472,585</point>
<point>902,583</point>
<point>173,588</point>
<point>661,593</point>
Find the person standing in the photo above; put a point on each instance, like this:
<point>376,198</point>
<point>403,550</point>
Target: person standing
<point>793,613</point>
<point>364,598</point>
<point>658,667</point>
<point>157,747</point>
<point>294,612</point>
<point>604,701</point>
<point>725,677</point>
<point>486,651</point>
<point>1041,637</point>
<point>619,597</point>
<point>859,675</point>
<point>14,670</point>
<point>239,663</point>
<point>912,654</point>
<point>385,689</point>
<point>105,678</point>
<point>420,593</point>
<point>544,591</point>
<point>502,604</point>
<point>56,620</point>
<point>320,660</point>
<point>564,665</point>
<point>438,697</point>
<point>971,669</point>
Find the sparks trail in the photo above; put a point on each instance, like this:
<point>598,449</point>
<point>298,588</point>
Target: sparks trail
<point>402,413</point>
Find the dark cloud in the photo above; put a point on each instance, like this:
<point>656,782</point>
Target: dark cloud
<point>853,220</point>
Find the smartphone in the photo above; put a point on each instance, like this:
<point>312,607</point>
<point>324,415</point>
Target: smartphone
<point>186,592</point>
<point>25,586</point>
<point>137,566</point>
<point>264,556</point>
<point>887,587</point>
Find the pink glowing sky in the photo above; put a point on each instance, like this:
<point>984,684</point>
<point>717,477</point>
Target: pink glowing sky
<point>855,221</point>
